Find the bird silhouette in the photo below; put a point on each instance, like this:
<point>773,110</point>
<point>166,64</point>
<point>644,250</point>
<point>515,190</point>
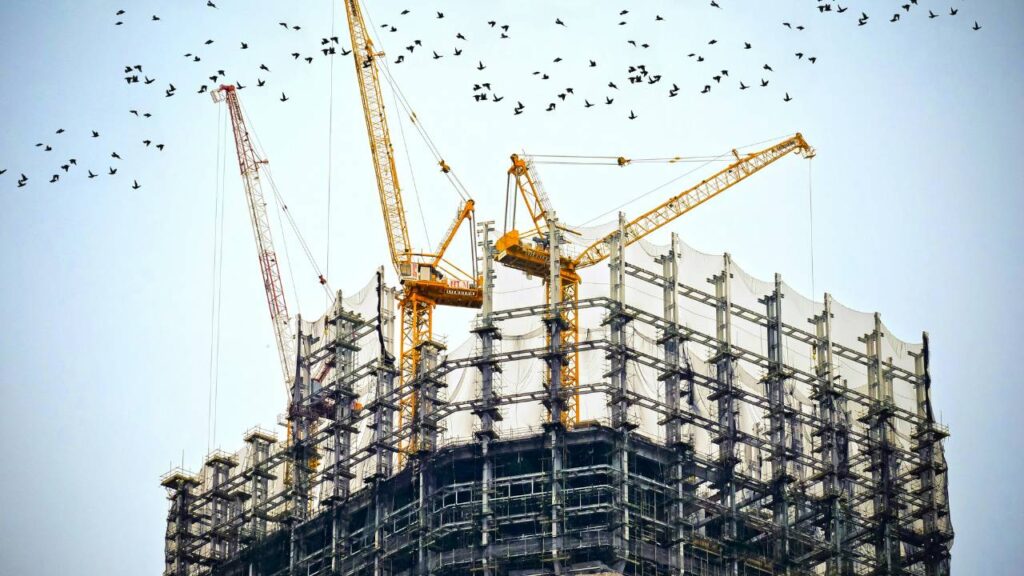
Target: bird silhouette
<point>135,185</point>
<point>91,175</point>
<point>559,22</point>
<point>787,98</point>
<point>115,155</point>
<point>283,97</point>
<point>632,116</point>
<point>586,103</point>
<point>608,100</point>
<point>975,27</point>
<point>260,83</point>
<point>743,86</point>
<point>95,134</point>
<point>210,4</point>
<point>550,107</point>
<point>480,65</point>
<point>111,171</point>
<point>953,11</point>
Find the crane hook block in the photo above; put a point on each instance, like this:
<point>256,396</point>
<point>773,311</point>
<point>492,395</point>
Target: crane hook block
<point>444,167</point>
<point>622,161</point>
<point>322,279</point>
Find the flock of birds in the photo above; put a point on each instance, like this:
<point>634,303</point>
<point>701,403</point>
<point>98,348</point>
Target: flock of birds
<point>638,74</point>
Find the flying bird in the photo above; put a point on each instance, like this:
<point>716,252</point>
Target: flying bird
<point>283,97</point>
<point>135,185</point>
<point>632,116</point>
<point>787,98</point>
<point>559,22</point>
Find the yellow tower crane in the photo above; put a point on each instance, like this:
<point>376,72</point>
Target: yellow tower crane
<point>534,258</point>
<point>428,278</point>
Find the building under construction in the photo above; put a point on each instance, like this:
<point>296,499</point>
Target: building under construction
<point>723,425</point>
<point>617,407</point>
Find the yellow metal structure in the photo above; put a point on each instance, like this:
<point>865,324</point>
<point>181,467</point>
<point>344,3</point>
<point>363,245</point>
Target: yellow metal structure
<point>428,279</point>
<point>534,258</point>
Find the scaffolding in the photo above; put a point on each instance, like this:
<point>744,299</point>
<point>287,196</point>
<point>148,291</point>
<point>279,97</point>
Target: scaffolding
<point>729,426</point>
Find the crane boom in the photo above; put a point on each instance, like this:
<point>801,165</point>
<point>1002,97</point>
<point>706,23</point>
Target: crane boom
<point>249,163</point>
<point>380,140</point>
<point>689,199</point>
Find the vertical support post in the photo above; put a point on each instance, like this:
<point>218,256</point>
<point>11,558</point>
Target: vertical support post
<point>834,442</point>
<point>222,544</point>
<point>487,406</point>
<point>883,455</point>
<point>619,400</point>
<point>780,418</point>
<point>300,450</point>
<point>179,538</point>
<point>677,368</point>
<point>259,484</point>
<point>727,418</point>
<point>384,408</point>
<point>936,534</point>
<point>425,427</point>
<point>555,401</point>
<point>343,351</point>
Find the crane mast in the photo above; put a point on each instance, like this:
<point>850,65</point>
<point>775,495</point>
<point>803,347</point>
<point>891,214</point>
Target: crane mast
<point>249,163</point>
<point>534,259</point>
<point>428,279</point>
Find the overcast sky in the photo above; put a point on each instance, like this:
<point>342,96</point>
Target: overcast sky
<point>107,291</point>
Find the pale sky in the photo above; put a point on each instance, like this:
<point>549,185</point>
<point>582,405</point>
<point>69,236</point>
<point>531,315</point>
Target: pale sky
<point>107,291</point>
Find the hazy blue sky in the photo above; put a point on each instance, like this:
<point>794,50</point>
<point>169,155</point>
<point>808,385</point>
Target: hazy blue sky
<point>106,292</point>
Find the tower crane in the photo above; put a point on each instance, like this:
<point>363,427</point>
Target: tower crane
<point>249,163</point>
<point>428,278</point>
<point>534,258</point>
